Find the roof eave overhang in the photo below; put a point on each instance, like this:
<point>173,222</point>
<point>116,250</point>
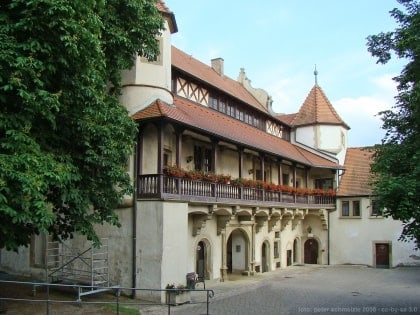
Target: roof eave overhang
<point>222,138</point>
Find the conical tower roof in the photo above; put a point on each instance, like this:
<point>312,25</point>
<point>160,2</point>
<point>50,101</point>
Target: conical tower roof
<point>317,109</point>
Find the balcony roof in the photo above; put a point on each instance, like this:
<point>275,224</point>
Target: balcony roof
<point>208,121</point>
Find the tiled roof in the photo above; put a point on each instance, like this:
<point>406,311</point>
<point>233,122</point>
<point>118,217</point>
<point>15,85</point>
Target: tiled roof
<point>286,118</point>
<point>357,176</point>
<point>207,74</point>
<point>163,8</point>
<point>206,120</point>
<point>317,109</point>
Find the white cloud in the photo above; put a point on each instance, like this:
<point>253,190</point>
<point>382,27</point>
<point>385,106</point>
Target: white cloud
<point>361,115</point>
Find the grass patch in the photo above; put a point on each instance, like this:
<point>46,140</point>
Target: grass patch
<point>123,309</point>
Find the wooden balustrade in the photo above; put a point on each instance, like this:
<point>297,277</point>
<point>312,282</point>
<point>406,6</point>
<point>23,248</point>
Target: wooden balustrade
<point>182,188</point>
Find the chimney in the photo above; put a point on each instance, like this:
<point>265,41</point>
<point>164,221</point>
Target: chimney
<point>217,65</point>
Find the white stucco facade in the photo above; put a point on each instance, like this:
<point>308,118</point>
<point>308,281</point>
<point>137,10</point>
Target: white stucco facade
<point>354,238</point>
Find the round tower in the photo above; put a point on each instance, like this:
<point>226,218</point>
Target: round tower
<point>148,81</point>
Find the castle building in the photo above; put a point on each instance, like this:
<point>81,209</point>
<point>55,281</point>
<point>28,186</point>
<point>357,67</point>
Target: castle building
<point>225,185</point>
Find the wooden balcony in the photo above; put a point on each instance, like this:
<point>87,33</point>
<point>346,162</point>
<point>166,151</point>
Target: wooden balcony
<point>163,187</point>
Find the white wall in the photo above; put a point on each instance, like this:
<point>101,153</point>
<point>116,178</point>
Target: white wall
<point>162,244</point>
<point>352,239</point>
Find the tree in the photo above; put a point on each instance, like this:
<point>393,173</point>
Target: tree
<point>64,136</point>
<point>396,165</point>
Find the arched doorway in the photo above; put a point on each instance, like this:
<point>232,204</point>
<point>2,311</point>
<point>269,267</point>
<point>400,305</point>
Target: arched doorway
<point>200,263</point>
<point>203,260</point>
<point>311,251</point>
<point>237,252</point>
<point>265,257</point>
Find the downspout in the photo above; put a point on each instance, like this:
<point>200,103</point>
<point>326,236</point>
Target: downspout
<point>134,226</point>
<point>328,239</point>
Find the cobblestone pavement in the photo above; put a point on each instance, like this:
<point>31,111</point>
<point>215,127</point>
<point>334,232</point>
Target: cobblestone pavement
<point>311,289</point>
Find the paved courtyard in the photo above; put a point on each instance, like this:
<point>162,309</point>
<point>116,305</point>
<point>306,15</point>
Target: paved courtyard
<point>312,289</point>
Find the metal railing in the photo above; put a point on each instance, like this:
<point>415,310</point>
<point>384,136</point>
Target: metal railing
<point>47,297</point>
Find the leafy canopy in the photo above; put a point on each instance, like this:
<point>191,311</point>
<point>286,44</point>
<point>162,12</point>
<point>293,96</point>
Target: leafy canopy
<point>64,136</point>
<point>397,160</point>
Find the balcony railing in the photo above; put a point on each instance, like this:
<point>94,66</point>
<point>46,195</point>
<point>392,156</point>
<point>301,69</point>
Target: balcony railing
<point>166,187</point>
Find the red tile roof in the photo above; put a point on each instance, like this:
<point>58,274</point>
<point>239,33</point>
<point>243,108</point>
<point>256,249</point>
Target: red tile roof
<point>206,120</point>
<point>163,8</point>
<point>207,74</point>
<point>357,176</point>
<point>286,118</point>
<point>317,109</point>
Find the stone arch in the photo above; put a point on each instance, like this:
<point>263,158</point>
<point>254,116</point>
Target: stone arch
<point>203,259</point>
<point>237,251</point>
<point>265,256</point>
<point>312,251</point>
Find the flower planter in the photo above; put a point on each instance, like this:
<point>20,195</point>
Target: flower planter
<point>178,298</point>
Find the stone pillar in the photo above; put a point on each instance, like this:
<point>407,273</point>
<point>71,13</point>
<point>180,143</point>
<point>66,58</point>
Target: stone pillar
<point>223,269</point>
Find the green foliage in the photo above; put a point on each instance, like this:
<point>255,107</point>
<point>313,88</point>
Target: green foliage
<point>64,136</point>
<point>397,159</point>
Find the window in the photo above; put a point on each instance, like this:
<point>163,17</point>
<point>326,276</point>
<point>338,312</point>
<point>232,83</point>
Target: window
<point>167,157</point>
<point>202,159</point>
<point>230,110</point>
<point>276,249</point>
<point>375,210</point>
<point>345,209</point>
<point>350,208</point>
<point>222,106</point>
<point>285,179</point>
<point>324,183</point>
<point>356,208</point>
<point>159,59</point>
<point>213,102</point>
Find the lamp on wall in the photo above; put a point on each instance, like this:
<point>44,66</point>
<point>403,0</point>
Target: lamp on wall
<point>250,171</point>
<point>189,158</point>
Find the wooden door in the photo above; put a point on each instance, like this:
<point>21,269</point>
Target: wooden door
<point>382,255</point>
<point>311,251</point>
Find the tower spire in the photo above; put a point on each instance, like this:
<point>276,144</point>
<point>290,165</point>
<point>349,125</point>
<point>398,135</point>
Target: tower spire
<point>316,76</point>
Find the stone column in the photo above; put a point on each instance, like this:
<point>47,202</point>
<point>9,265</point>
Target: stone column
<point>223,269</point>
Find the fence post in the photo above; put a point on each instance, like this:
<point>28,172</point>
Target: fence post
<point>48,299</point>
<point>118,301</point>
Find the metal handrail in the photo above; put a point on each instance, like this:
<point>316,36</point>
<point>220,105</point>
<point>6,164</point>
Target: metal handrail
<point>116,289</point>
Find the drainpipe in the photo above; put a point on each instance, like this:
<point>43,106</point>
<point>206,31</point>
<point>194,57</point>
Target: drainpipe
<point>134,226</point>
<point>328,238</point>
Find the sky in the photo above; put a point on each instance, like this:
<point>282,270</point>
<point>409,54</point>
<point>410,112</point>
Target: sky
<point>280,42</point>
